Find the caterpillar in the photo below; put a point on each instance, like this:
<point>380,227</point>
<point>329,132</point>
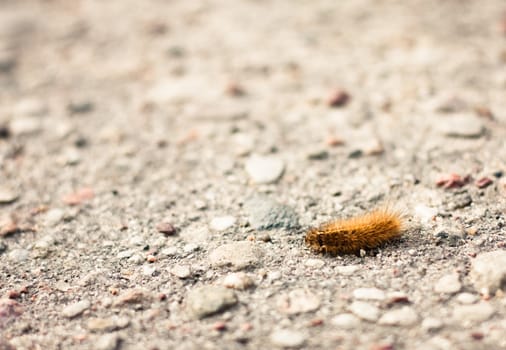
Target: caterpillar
<point>349,236</point>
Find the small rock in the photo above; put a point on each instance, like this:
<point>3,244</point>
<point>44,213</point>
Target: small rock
<point>345,321</point>
<point>134,296</point>
<point>148,270</point>
<point>125,254</point>
<point>467,298</point>
<point>238,280</point>
<point>7,61</point>
<point>76,309</point>
<point>7,196</point>
<point>237,255</point>
<point>181,271</point>
<point>318,154</point>
<point>473,313</point>
<point>488,272</point>
<point>209,300</point>
<point>54,216</point>
<point>32,107</point>
<point>222,223</point>
<point>190,248</point>
<point>298,301</point>
<point>314,263</point>
<point>431,324</point>
<point>424,213</point>
<point>287,338</point>
<point>169,251</point>
<point>338,98</point>
<point>136,259</point>
<point>264,169</point>
<point>347,270</point>
<point>80,106</point>
<point>405,316</point>
<point>452,180</point>
<point>466,126</point>
<point>448,284</point>
<point>107,324</point>
<point>166,228</point>
<point>365,311</point>
<point>19,255</point>
<point>266,214</point>
<point>25,126</point>
<point>459,201</point>
<point>107,342</point>
<point>483,182</point>
<point>79,196</point>
<point>368,294</point>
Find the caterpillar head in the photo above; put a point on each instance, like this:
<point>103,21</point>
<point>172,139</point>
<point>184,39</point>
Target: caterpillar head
<point>314,240</point>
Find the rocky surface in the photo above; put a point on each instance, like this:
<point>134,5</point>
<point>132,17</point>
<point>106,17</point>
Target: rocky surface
<point>160,162</point>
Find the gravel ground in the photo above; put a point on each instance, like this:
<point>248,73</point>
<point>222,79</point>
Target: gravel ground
<point>161,161</point>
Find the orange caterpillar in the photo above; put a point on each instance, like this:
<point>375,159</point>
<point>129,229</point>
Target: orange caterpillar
<point>349,236</point>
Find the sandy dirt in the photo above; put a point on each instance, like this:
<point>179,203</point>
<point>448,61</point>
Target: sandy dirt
<point>161,161</point>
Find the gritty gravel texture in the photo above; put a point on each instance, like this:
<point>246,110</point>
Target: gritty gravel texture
<point>160,162</point>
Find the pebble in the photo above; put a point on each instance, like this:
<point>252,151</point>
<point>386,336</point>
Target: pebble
<point>368,294</point>
<point>267,214</point>
<point>237,255</point>
<point>264,169</point>
<point>317,154</point>
<point>125,254</point>
<point>190,248</point>
<point>7,196</point>
<point>222,223</point>
<point>467,298</point>
<point>136,259</point>
<point>287,338</point>
<point>25,126</point>
<point>448,284</point>
<point>365,311</point>
<point>169,251</point>
<point>467,126</point>
<point>54,216</point>
<point>424,213</point>
<point>32,107</point>
<point>473,313</point>
<point>166,228</point>
<point>488,272</point>
<point>76,309</point>
<point>314,263</point>
<point>133,296</point>
<point>19,255</point>
<point>107,324</point>
<point>405,316</point>
<point>459,201</point>
<point>298,301</point>
<point>208,300</point>
<point>107,342</point>
<point>181,271</point>
<point>238,280</point>
<point>338,98</point>
<point>80,106</point>
<point>345,321</point>
<point>148,270</point>
<point>347,270</point>
<point>431,324</point>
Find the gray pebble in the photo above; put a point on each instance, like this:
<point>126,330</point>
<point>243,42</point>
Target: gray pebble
<point>448,284</point>
<point>345,321</point>
<point>54,216</point>
<point>7,195</point>
<point>468,126</point>
<point>264,169</point>
<point>237,255</point>
<point>488,272</point>
<point>222,223</point>
<point>169,251</point>
<point>125,254</point>
<point>467,298</point>
<point>318,154</point>
<point>298,301</point>
<point>431,324</point>
<point>266,214</point>
<point>405,316</point>
<point>19,255</point>
<point>365,311</point>
<point>209,300</point>
<point>287,338</point>
<point>181,271</point>
<point>191,247</point>
<point>368,294</point>
<point>107,324</point>
<point>76,309</point>
<point>473,313</point>
<point>107,342</point>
